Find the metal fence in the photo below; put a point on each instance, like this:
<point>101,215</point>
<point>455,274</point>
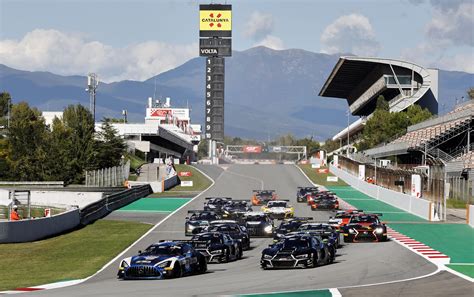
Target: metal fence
<point>108,177</point>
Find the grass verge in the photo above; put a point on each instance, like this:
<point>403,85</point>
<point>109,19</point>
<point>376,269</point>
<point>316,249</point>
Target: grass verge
<point>74,255</point>
<point>320,178</point>
<point>464,269</point>
<point>200,183</point>
<point>455,203</point>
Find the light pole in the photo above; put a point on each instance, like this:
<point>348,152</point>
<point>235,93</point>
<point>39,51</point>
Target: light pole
<point>124,113</point>
<point>92,83</point>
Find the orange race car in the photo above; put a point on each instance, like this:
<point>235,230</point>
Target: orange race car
<point>261,197</point>
<point>342,217</point>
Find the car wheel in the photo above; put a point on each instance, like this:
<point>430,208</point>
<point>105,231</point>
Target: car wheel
<point>177,271</point>
<point>202,265</point>
<point>239,253</point>
<point>347,239</point>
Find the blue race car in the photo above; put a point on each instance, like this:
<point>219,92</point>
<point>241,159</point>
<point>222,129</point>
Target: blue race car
<point>169,259</point>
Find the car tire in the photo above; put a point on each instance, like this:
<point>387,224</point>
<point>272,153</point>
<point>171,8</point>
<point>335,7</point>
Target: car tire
<point>347,239</point>
<point>239,253</point>
<point>177,271</point>
<point>202,266</point>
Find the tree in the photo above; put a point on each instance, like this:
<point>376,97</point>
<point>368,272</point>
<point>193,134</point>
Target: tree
<point>26,143</point>
<point>78,121</point>
<point>5,101</point>
<point>384,125</point>
<point>470,92</point>
<point>109,147</point>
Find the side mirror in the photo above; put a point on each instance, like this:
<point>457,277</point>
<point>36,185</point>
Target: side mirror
<point>331,218</point>
<point>139,251</point>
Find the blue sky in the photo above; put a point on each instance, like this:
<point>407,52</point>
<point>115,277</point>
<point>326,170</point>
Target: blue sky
<point>138,39</point>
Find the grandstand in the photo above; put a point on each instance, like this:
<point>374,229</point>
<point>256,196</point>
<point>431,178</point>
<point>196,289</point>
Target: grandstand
<point>361,81</point>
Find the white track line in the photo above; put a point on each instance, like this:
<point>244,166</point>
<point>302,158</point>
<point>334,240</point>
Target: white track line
<point>79,281</point>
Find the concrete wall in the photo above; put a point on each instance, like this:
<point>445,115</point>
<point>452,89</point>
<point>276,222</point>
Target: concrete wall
<point>61,199</point>
<point>35,229</point>
<point>470,215</point>
<point>416,206</point>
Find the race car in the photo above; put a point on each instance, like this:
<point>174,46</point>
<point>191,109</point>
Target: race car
<point>322,229</point>
<point>278,209</point>
<point>296,251</point>
<point>258,224</point>
<point>217,246</point>
<point>168,259</point>
<point>261,197</point>
<point>215,203</point>
<point>301,193</point>
<point>234,209</point>
<point>198,219</point>
<point>325,202</point>
<point>342,217</point>
<point>289,225</point>
<point>310,197</point>
<point>364,227</point>
<point>233,229</point>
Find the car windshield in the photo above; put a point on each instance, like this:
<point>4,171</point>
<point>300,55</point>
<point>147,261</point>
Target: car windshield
<point>277,204</point>
<point>203,216</point>
<point>167,250</point>
<point>224,228</point>
<point>295,243</point>
<point>364,219</point>
<point>213,238</point>
<point>255,218</point>
<point>308,227</point>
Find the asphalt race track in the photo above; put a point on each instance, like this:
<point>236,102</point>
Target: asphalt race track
<point>356,264</point>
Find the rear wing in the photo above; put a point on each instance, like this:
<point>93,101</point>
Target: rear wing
<point>300,219</point>
<point>261,191</point>
<point>188,241</point>
<point>308,188</point>
<point>199,211</point>
<point>226,198</point>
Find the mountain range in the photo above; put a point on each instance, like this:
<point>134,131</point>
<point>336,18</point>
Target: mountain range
<point>268,93</point>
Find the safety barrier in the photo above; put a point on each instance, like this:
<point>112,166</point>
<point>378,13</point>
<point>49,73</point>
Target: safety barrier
<point>112,202</point>
<point>35,229</point>
<point>417,206</point>
<point>170,182</point>
<point>470,215</point>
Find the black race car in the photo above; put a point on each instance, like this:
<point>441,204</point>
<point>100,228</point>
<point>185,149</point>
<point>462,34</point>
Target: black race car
<point>325,202</point>
<point>296,251</point>
<point>215,203</point>
<point>324,230</point>
<point>289,225</point>
<point>233,229</point>
<point>163,260</point>
<point>216,246</point>
<point>234,209</point>
<point>301,193</point>
<point>364,227</point>
<point>258,224</point>
<point>198,219</point>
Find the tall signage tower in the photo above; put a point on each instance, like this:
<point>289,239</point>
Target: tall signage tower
<point>215,43</point>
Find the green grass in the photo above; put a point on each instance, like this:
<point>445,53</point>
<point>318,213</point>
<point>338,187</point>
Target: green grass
<point>464,269</point>
<point>312,293</point>
<point>455,203</point>
<point>158,205</point>
<point>74,255</point>
<point>200,183</point>
<point>320,178</point>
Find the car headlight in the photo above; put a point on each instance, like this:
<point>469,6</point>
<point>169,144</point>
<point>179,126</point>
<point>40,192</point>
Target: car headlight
<point>352,231</point>
<point>191,227</point>
<point>164,264</point>
<point>305,256</point>
<point>379,230</point>
<point>267,256</point>
<point>268,229</point>
<point>216,252</point>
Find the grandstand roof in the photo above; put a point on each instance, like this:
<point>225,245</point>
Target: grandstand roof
<point>428,133</point>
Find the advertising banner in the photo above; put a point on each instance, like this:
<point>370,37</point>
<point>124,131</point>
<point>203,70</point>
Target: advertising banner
<point>255,149</point>
<point>332,179</point>
<point>362,172</point>
<point>186,183</point>
<point>324,170</point>
<point>336,160</point>
<point>185,173</point>
<point>215,20</point>
<point>416,185</point>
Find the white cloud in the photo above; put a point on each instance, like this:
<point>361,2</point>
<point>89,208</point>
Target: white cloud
<point>350,34</point>
<point>258,26</point>
<point>68,54</point>
<point>272,42</point>
<point>453,22</point>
